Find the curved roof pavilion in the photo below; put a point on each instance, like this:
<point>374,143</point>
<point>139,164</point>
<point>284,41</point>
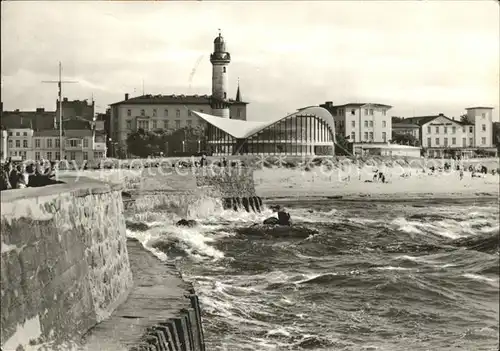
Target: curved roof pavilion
<point>243,129</point>
<point>308,131</point>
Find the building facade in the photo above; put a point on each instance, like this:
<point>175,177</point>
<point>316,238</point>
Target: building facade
<point>309,131</point>
<point>406,128</point>
<point>172,112</point>
<point>442,136</point>
<point>362,122</point>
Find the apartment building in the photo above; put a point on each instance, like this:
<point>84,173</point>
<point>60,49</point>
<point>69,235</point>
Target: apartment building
<point>362,122</point>
<point>166,112</point>
<point>444,136</point>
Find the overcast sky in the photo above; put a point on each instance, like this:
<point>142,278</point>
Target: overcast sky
<point>420,57</point>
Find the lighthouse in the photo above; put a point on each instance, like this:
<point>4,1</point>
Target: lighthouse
<point>220,59</point>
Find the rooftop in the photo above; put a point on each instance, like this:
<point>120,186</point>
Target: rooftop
<point>171,99</point>
<point>421,120</point>
<point>483,108</point>
<point>243,129</point>
<point>404,125</point>
<point>355,104</point>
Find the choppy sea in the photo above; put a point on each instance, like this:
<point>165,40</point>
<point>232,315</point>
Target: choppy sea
<point>348,275</point>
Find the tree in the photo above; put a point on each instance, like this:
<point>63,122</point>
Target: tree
<point>465,119</point>
<point>405,139</point>
<point>396,119</point>
<point>142,143</point>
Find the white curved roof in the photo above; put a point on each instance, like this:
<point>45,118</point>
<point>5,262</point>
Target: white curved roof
<point>243,129</point>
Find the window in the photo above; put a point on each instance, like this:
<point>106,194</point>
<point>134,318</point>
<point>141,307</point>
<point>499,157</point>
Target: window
<point>165,124</point>
<point>353,136</point>
<point>437,130</point>
<point>154,112</point>
<point>165,113</point>
<point>177,124</point>
<point>353,124</point>
<point>437,141</point>
<point>10,134</point>
<point>483,115</point>
<point>371,112</point>
<point>471,130</point>
<point>25,143</point>
<point>85,142</point>
<point>384,124</point>
<point>366,135</point>
<point>366,124</point>
<point>85,156</point>
<point>464,142</point>
<point>49,143</point>
<point>470,142</point>
<point>37,155</point>
<point>129,124</point>
<point>384,112</point>
<point>224,69</point>
<point>484,127</point>
<point>225,95</point>
<point>445,130</point>
<point>384,136</point>
<point>177,113</point>
<point>189,113</point>
<point>155,124</point>
<point>353,112</point>
<point>453,129</point>
<point>366,112</point>
<point>17,134</point>
<point>238,113</point>
<point>371,136</point>
<point>429,130</point>
<point>483,141</point>
<point>72,155</point>
<point>371,123</point>
<point>463,129</point>
<point>428,142</point>
<point>58,142</point>
<point>143,113</point>
<point>129,112</point>
<point>10,144</point>
<point>453,141</point>
<point>72,143</point>
<point>58,155</point>
<point>25,134</point>
<point>445,141</point>
<point>189,122</point>
<point>49,156</point>
<point>18,143</point>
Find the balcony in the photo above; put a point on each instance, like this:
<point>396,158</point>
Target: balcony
<point>99,146</point>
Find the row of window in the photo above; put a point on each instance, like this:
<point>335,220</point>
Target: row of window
<point>48,155</point>
<point>368,136</point>
<point>177,113</point>
<point>50,144</point>
<point>146,124</point>
<point>367,112</point>
<point>18,143</point>
<point>454,142</point>
<point>453,129</point>
<point>367,124</point>
<point>18,134</point>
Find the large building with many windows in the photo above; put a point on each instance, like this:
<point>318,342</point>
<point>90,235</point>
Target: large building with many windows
<point>172,112</point>
<point>362,122</point>
<point>442,136</point>
<point>309,131</point>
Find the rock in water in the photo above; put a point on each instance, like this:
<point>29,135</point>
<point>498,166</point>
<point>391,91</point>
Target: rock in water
<point>137,226</point>
<point>268,230</point>
<point>271,221</point>
<point>186,223</point>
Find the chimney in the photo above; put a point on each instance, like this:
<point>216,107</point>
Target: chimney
<point>329,103</point>
<point>40,109</point>
<point>126,96</point>
<point>65,100</point>
<point>441,114</point>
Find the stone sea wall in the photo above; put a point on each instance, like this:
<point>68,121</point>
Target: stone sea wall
<point>64,261</point>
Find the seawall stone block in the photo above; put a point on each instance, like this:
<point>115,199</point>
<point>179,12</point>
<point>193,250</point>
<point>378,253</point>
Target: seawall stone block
<point>48,237</point>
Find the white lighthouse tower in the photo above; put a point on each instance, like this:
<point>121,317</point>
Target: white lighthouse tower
<point>220,59</point>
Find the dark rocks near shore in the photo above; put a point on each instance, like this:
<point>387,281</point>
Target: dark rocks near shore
<point>186,223</point>
<point>136,226</point>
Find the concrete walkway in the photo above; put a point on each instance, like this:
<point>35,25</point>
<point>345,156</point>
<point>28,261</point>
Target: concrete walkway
<point>158,294</point>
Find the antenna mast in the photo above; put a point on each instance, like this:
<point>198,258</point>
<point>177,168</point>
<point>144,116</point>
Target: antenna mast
<point>59,83</point>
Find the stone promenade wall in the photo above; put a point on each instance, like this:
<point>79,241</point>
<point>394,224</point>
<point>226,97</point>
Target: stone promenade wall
<point>64,261</point>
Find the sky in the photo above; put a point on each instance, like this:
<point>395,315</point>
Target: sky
<point>421,57</point>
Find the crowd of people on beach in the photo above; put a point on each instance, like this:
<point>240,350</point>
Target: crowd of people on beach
<point>26,174</point>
